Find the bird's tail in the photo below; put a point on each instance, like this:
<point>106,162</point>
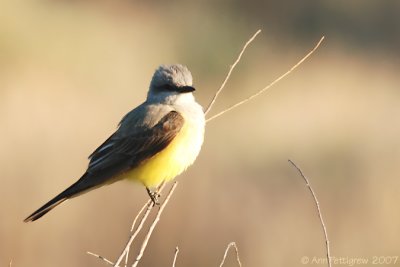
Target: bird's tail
<point>46,208</point>
<point>74,190</point>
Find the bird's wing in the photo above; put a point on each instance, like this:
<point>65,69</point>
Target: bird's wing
<point>117,154</point>
<point>120,152</point>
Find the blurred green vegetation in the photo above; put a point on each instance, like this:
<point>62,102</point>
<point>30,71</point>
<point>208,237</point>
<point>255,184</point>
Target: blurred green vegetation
<point>69,70</point>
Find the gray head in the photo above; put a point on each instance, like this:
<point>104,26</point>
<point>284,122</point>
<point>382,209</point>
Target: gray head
<point>171,79</point>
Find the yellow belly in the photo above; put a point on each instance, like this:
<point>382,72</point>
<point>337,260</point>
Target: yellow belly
<point>171,161</point>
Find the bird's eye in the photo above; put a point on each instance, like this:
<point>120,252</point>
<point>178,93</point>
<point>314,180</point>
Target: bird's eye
<point>169,87</point>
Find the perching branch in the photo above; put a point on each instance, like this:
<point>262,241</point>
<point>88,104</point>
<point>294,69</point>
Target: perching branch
<point>153,225</point>
<point>132,237</point>
<point>149,204</point>
<point>134,234</point>
<point>328,253</point>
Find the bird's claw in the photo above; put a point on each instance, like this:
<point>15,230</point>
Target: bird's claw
<point>153,196</point>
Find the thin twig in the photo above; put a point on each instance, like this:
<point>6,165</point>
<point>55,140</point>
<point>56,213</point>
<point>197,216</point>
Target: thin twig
<point>140,212</point>
<point>127,257</point>
<point>270,85</point>
<point>175,256</point>
<point>150,206</point>
<point>100,257</point>
<point>133,226</point>
<point>153,225</point>
<point>230,71</point>
<point>328,252</point>
<point>232,244</point>
<point>134,234</point>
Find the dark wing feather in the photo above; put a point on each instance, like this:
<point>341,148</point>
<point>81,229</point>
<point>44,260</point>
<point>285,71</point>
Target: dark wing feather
<point>102,148</point>
<point>120,153</point>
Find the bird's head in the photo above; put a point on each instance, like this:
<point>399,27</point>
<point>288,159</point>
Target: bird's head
<point>170,81</point>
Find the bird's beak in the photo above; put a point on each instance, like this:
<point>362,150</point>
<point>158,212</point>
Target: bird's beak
<point>186,89</point>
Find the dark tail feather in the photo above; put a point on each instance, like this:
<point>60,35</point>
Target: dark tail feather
<point>46,208</point>
<point>81,186</point>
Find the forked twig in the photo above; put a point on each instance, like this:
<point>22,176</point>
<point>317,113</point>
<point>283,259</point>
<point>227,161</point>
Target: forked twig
<point>268,86</point>
<point>328,252</point>
<point>153,225</point>
<point>232,244</point>
<point>150,206</point>
<point>133,227</point>
<point>229,72</point>
<point>140,212</point>
<point>134,234</point>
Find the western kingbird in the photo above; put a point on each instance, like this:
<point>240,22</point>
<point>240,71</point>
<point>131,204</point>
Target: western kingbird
<point>154,142</point>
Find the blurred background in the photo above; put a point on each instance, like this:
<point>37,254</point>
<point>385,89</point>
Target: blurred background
<point>69,70</point>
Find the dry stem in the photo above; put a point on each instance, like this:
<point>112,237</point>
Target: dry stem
<point>230,71</point>
<point>268,86</point>
<point>150,206</point>
<point>328,253</point>
<point>134,234</point>
<point>101,258</point>
<point>147,204</point>
<point>175,256</point>
<point>153,225</point>
<point>140,212</point>
<point>232,244</point>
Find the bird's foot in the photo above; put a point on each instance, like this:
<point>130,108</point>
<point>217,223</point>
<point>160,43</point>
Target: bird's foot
<point>153,196</point>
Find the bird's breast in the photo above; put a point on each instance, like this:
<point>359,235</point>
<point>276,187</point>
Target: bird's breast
<point>174,159</point>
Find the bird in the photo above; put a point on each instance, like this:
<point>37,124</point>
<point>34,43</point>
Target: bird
<point>153,143</point>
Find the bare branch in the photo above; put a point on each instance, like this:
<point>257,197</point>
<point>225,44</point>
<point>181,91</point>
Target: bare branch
<point>153,225</point>
<point>175,256</point>
<point>149,206</point>
<point>270,85</point>
<point>101,258</point>
<point>134,234</point>
<point>232,244</point>
<point>229,72</point>
<point>328,253</point>
<point>140,212</point>
<point>133,226</point>
<point>127,257</point>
